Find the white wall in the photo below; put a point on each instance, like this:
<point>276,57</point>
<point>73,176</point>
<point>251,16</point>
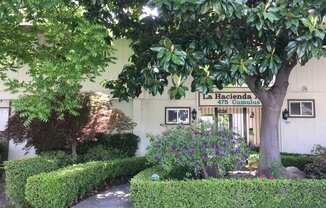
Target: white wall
<point>299,135</point>
<point>18,151</point>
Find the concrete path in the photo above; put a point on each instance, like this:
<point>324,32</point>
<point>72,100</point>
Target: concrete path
<point>115,197</point>
<point>3,201</point>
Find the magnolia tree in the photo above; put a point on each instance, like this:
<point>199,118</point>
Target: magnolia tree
<point>219,43</point>
<point>63,132</point>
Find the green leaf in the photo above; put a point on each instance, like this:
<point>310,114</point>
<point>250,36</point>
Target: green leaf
<point>272,17</point>
<point>157,49</point>
<point>320,34</point>
<point>178,60</point>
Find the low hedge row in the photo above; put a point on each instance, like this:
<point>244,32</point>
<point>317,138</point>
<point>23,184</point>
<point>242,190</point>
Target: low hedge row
<point>296,160</point>
<point>221,193</point>
<point>17,173</point>
<point>61,188</point>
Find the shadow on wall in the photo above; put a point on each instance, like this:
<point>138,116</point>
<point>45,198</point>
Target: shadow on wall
<point>18,151</point>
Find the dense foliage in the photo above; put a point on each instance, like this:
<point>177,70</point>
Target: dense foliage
<point>288,160</point>
<point>17,173</point>
<point>296,160</point>
<point>217,193</point>
<point>126,143</point>
<point>253,42</point>
<point>317,169</point>
<point>100,153</point>
<point>172,44</point>
<point>203,150</point>
<point>61,188</point>
<point>64,133</point>
<point>61,48</point>
<point>3,156</point>
<point>3,151</point>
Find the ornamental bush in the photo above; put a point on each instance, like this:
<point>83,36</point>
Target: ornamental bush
<point>66,132</point>
<point>222,193</point>
<point>126,143</point>
<point>100,153</point>
<point>3,156</point>
<point>317,169</point>
<point>17,173</point>
<point>296,160</point>
<point>202,150</point>
<point>61,188</point>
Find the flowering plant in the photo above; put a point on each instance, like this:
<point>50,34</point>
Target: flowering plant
<point>202,149</point>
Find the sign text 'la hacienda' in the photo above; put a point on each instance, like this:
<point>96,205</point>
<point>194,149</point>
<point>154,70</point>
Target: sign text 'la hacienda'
<point>229,99</point>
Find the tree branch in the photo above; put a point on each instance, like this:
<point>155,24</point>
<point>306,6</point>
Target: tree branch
<point>259,92</point>
<point>282,78</point>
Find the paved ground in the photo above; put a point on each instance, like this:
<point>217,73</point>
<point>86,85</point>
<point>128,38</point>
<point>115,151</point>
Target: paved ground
<point>115,197</point>
<point>3,202</point>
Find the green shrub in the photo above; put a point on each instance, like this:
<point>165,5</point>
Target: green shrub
<point>62,159</point>
<point>203,150</point>
<point>317,169</point>
<point>296,160</point>
<point>59,189</point>
<point>126,143</point>
<point>17,173</point>
<point>3,152</point>
<point>3,156</point>
<point>100,153</point>
<point>222,193</point>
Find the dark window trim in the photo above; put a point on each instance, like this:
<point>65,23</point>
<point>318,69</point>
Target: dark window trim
<point>302,100</point>
<point>171,107</point>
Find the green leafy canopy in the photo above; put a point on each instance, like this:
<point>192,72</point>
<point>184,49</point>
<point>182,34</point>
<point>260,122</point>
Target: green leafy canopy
<point>60,48</point>
<point>218,43</point>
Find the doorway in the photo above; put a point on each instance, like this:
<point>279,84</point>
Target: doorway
<point>224,121</point>
<point>242,120</point>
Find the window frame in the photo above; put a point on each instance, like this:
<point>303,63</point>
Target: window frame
<point>177,109</point>
<point>312,101</point>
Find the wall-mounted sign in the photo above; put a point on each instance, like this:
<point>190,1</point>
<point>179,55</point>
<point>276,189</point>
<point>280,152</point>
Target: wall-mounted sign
<point>229,99</point>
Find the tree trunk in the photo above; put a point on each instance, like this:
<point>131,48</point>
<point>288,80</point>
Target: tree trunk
<point>272,100</point>
<point>269,139</point>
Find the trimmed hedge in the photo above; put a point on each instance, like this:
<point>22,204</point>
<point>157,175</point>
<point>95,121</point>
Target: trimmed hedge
<point>296,160</point>
<point>17,173</point>
<point>61,188</point>
<point>221,193</point>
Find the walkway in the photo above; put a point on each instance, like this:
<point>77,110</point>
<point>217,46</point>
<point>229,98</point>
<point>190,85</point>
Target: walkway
<point>3,201</point>
<point>115,197</point>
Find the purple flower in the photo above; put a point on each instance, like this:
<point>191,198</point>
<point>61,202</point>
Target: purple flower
<point>157,158</point>
<point>173,146</point>
<point>204,158</point>
<point>237,150</point>
<point>216,148</point>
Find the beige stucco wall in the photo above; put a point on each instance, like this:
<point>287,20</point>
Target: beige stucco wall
<point>300,134</point>
<point>296,134</point>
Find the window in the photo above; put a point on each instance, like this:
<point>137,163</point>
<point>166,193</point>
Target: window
<point>301,108</point>
<point>177,115</point>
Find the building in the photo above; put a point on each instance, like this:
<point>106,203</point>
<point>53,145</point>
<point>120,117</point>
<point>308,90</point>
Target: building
<point>235,108</point>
